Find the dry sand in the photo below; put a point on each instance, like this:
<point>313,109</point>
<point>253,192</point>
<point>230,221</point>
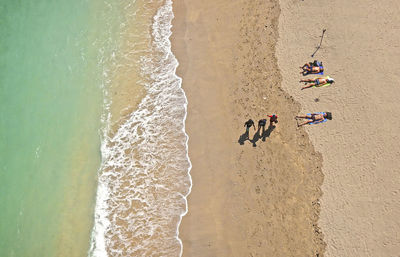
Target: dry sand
<point>245,200</point>
<point>263,200</point>
<point>361,148</point>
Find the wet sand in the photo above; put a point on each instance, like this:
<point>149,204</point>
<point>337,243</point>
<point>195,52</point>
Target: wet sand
<point>246,200</point>
<point>360,146</point>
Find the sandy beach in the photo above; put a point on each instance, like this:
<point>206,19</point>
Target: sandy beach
<point>239,60</point>
<point>246,200</point>
<point>360,146</point>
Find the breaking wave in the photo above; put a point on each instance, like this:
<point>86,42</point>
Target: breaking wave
<point>144,177</point>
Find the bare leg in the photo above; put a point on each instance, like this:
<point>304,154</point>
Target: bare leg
<point>304,116</point>
<point>308,86</point>
<point>305,66</point>
<point>307,80</point>
<point>304,123</point>
<point>306,71</point>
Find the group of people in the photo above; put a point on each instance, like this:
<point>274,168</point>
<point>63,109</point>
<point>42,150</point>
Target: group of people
<point>315,67</point>
<point>261,132</point>
<point>261,123</point>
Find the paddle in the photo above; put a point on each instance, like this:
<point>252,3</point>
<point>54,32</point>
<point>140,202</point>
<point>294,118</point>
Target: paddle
<point>319,46</point>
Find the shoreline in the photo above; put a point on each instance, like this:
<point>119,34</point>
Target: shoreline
<point>143,179</point>
<point>244,200</point>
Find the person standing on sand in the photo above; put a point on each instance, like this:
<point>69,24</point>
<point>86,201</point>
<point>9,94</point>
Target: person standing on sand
<point>262,123</point>
<point>248,125</point>
<point>273,119</point>
<point>245,136</point>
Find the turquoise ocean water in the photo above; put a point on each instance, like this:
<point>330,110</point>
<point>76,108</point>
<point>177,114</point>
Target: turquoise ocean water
<point>93,149</point>
<point>51,102</point>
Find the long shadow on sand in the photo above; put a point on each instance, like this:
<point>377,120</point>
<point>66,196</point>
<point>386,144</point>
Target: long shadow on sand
<point>243,137</point>
<point>268,132</point>
<point>263,135</point>
<point>257,136</point>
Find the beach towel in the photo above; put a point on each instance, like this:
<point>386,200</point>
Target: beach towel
<point>327,84</point>
<point>321,73</point>
<point>320,121</point>
<point>310,73</point>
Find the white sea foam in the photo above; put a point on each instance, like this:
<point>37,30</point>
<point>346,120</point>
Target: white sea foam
<point>144,177</point>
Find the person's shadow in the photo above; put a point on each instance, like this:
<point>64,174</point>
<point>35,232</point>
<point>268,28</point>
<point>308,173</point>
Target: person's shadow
<point>263,135</point>
<point>268,132</point>
<point>243,137</point>
<point>257,136</point>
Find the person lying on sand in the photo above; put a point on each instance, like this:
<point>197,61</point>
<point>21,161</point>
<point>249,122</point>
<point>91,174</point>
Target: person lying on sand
<point>310,64</point>
<point>312,70</point>
<point>317,82</point>
<point>314,118</point>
